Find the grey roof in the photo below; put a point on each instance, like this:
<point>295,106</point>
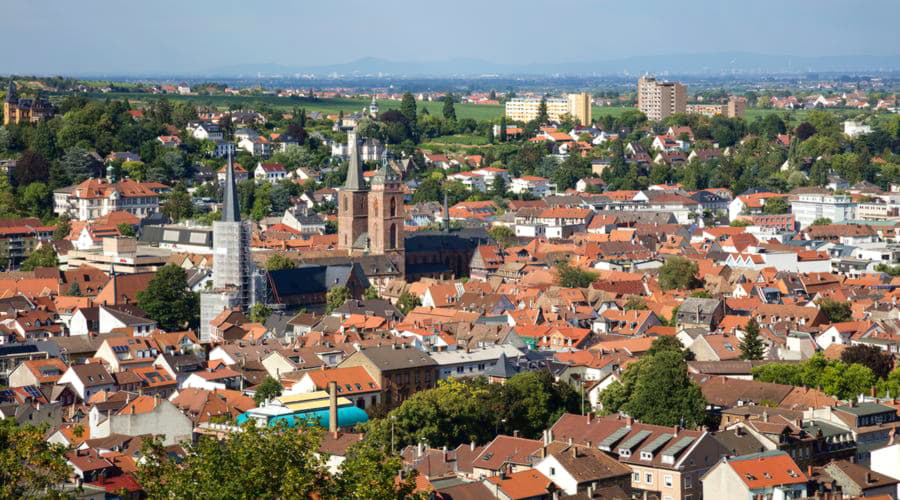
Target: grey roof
<point>354,171</point>
<point>397,358</point>
<point>231,211</point>
<point>154,235</point>
<point>697,305</point>
<point>371,307</point>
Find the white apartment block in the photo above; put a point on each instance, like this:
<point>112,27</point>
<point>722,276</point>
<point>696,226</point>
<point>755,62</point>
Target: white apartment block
<point>809,207</point>
<point>95,198</point>
<point>658,99</point>
<point>525,109</point>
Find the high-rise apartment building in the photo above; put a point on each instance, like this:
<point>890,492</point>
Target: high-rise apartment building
<point>525,109</point>
<point>658,99</point>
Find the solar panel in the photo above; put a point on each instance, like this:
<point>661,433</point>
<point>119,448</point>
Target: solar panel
<point>656,443</point>
<point>610,440</point>
<point>635,440</point>
<point>33,391</point>
<point>676,448</point>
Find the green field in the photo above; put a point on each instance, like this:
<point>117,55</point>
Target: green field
<point>333,106</point>
<point>328,106</point>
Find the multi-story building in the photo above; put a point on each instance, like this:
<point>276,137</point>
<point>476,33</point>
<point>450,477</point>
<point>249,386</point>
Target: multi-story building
<point>20,237</point>
<point>399,370</point>
<point>658,99</point>
<point>734,108</point>
<point>665,462</point>
<point>771,474</point>
<point>525,109</point>
<point>809,207</point>
<point>95,198</point>
<point>18,110</point>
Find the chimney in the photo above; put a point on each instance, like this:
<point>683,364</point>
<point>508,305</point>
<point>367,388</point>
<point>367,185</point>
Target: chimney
<point>472,446</point>
<point>765,416</point>
<point>869,477</point>
<point>675,430</point>
<point>570,441</point>
<point>589,416</point>
<point>574,452</point>
<point>809,471</point>
<point>516,433</point>
<point>418,449</point>
<point>332,407</point>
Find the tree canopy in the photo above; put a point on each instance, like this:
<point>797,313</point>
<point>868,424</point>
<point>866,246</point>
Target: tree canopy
<point>31,466</point>
<point>657,390</point>
<point>168,301</point>
<point>678,273</point>
<point>573,277</point>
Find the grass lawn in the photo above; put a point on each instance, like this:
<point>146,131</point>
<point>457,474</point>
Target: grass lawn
<point>461,139</point>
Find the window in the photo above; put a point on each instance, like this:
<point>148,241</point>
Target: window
<point>552,471</point>
<point>667,481</point>
<point>648,478</point>
<point>687,481</point>
<point>636,477</point>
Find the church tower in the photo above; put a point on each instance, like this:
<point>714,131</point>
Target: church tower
<point>352,212</point>
<point>234,278</point>
<point>386,216</point>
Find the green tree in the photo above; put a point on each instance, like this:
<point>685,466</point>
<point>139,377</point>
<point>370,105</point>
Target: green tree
<point>168,301</point>
<point>776,206</point>
<point>44,256</point>
<point>30,467</point>
<point>503,133</point>
<point>177,204</point>
<point>573,277</point>
<point>74,290</point>
<point>532,399</point>
<point>277,262</point>
<point>371,293</point>
<point>542,116</point>
<point>336,297</point>
<point>78,164</point>
<point>635,304</point>
<point>845,381</point>
<point>835,311</point>
<point>31,167</point>
<point>822,221</point>
<point>127,230</point>
<point>449,111</point>
<point>368,473</point>
<point>408,107</point>
<point>36,199</point>
<point>259,462</point>
<point>657,390</point>
<point>63,227</point>
<point>880,362</point>
<point>498,186</point>
<point>678,273</point>
<point>670,343</point>
<point>752,347</point>
<point>503,235</point>
<point>259,313</point>
<point>407,302</point>
<point>267,389</point>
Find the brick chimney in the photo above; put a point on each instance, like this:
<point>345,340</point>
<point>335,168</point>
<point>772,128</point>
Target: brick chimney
<point>332,407</point>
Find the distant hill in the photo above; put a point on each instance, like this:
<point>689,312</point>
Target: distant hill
<point>686,64</point>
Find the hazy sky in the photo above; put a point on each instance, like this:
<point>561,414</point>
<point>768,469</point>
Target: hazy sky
<point>110,36</point>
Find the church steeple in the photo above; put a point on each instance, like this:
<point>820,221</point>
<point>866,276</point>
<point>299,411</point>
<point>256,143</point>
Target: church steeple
<point>230,209</point>
<point>11,92</point>
<point>354,170</point>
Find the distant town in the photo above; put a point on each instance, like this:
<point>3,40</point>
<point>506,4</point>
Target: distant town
<point>641,288</point>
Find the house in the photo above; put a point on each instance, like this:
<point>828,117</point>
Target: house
<point>472,362</point>
<point>143,415</point>
<point>206,131</point>
<point>771,474</point>
<point>88,379</point>
<point>400,371</point>
<point>665,462</point>
<point>353,383</point>
<point>531,184</point>
<point>578,469</point>
<point>96,198</point>
<point>37,372</point>
<point>505,454</point>
<point>855,480</point>
<point>696,312</point>
<point>269,172</point>
<point>718,347</point>
<point>240,173</point>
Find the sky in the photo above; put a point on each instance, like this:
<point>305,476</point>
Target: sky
<point>167,36</point>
